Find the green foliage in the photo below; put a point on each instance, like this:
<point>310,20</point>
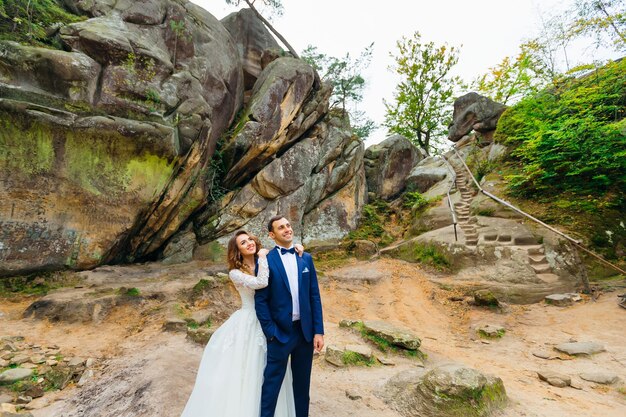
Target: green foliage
<point>353,358</point>
<point>430,254</point>
<point>511,79</point>
<point>571,139</point>
<point>129,292</point>
<point>602,19</point>
<point>345,76</point>
<point>498,335</point>
<point>274,6</point>
<point>37,284</point>
<point>422,101</point>
<point>371,223</point>
<point>27,21</point>
<point>414,200</point>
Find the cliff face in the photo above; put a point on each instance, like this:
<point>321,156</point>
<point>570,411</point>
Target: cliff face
<point>107,147</point>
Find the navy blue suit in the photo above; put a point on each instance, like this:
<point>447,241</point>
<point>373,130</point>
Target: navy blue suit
<point>284,337</point>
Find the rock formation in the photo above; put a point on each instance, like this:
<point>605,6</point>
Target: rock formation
<point>107,146</point>
<point>387,166</point>
<point>474,112</point>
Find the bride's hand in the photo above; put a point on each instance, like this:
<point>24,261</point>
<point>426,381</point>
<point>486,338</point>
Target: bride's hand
<point>299,249</point>
<point>263,253</point>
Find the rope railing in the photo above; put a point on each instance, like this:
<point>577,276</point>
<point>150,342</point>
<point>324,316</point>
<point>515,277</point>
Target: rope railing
<point>576,242</point>
<point>450,206</point>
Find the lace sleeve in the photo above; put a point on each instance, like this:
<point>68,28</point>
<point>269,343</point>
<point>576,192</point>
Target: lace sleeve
<point>242,279</point>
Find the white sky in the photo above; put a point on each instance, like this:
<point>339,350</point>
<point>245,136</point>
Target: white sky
<point>485,30</point>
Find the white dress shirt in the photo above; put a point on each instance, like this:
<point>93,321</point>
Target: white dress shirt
<point>291,267</point>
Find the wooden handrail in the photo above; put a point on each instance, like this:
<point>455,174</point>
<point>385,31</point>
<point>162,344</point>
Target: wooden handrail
<point>576,242</point>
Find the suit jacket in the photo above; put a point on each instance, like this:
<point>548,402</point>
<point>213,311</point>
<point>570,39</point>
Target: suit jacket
<point>274,306</point>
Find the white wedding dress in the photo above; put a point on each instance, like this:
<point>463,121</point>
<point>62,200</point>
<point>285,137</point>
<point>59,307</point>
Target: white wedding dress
<point>230,375</point>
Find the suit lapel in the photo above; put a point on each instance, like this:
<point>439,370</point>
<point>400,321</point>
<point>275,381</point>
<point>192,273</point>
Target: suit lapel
<point>279,267</point>
<point>301,265</point>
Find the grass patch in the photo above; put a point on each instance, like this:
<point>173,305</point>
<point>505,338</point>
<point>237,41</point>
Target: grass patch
<point>356,359</point>
<point>499,334</point>
<point>130,292</point>
<point>487,212</point>
<point>28,22</point>
<point>430,254</point>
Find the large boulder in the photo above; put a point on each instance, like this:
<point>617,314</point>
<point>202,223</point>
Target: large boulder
<point>449,390</point>
<point>388,164</point>
<point>255,43</point>
<point>104,144</point>
<point>427,173</point>
<point>318,183</point>
<point>474,112</point>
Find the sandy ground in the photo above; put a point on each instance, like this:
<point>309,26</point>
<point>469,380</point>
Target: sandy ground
<point>144,371</point>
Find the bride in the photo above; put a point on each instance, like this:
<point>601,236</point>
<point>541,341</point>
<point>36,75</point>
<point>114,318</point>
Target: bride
<point>230,375</point>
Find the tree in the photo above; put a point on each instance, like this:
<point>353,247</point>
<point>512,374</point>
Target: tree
<point>423,98</point>
<point>345,75</point>
<point>511,79</point>
<point>601,19</point>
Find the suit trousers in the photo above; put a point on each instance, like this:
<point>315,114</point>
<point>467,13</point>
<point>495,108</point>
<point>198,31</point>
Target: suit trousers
<point>278,354</point>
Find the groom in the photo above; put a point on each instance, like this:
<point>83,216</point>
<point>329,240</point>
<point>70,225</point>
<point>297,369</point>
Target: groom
<point>290,312</point>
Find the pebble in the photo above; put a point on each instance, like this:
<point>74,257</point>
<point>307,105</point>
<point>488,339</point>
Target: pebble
<point>353,395</point>
<point>554,378</point>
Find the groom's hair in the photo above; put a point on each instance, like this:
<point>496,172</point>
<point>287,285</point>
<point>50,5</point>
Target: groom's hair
<point>270,223</point>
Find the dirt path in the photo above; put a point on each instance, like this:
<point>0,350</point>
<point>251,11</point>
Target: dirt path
<point>144,371</point>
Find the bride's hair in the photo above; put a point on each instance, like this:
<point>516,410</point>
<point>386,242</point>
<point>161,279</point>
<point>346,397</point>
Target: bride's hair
<point>235,259</point>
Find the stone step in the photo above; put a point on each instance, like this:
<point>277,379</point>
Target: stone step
<point>525,240</point>
<point>537,259</point>
<point>535,250</point>
<point>504,238</point>
<point>543,268</point>
<point>490,237</point>
<point>473,220</point>
<point>548,278</point>
<point>471,242</point>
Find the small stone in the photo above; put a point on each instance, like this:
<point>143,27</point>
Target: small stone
<point>361,350</point>
<point>90,362</point>
<point>544,354</point>
<point>5,398</point>
<point>35,391</point>
<point>554,378</point>
<point>19,359</point>
<point>576,384</point>
<point>493,331</point>
<point>347,323</point>
<point>37,359</point>
<point>385,361</point>
<point>4,363</point>
<point>16,374</point>
<point>353,395</point>
<point>201,317</point>
<point>201,335</point>
<point>174,324</point>
<point>86,376</point>
<point>605,378</point>
<point>485,298</point>
<point>7,355</point>
<point>8,408</point>
<point>580,348</point>
<point>334,356</point>
<point>23,399</point>
<point>38,403</point>
<point>75,362</point>
<point>29,365</point>
<point>52,362</point>
<point>8,346</point>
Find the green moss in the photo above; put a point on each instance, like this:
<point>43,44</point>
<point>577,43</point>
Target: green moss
<point>425,253</point>
<point>37,284</point>
<point>26,21</point>
<point>129,292</point>
<point>499,334</point>
<point>356,359</point>
<point>29,150</point>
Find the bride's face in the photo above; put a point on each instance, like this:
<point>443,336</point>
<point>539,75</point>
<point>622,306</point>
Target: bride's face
<point>246,245</point>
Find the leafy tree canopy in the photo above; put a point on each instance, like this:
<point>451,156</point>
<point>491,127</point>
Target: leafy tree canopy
<point>345,75</point>
<point>422,103</point>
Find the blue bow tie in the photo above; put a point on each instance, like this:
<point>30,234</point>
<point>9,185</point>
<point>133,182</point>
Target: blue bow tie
<point>284,251</point>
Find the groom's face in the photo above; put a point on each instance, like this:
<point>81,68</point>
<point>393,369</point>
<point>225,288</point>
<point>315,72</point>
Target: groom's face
<point>282,233</point>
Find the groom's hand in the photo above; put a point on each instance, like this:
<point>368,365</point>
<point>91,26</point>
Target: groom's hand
<point>318,342</point>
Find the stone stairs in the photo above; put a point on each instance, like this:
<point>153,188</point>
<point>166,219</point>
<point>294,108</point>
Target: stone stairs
<point>468,224</point>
